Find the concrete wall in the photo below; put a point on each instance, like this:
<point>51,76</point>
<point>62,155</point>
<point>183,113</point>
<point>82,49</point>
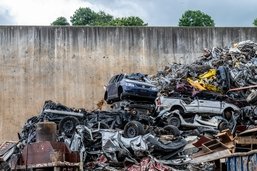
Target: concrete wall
<point>70,65</point>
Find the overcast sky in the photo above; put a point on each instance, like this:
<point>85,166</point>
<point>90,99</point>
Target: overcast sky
<point>154,12</point>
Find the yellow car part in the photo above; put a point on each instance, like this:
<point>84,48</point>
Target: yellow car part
<point>208,74</point>
<point>195,84</point>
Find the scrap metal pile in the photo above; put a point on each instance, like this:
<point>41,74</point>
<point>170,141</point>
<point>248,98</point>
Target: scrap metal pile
<point>105,140</point>
<point>218,70</point>
<point>204,112</point>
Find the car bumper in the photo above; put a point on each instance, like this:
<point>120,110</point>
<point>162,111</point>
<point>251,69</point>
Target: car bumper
<point>137,92</point>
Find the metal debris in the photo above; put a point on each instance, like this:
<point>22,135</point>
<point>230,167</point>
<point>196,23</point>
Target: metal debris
<point>204,112</point>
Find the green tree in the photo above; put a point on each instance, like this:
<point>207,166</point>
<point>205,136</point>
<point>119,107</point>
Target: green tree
<point>88,17</point>
<point>83,16</point>
<point>128,21</point>
<point>195,18</point>
<point>255,22</point>
<point>60,21</point>
<point>102,19</point>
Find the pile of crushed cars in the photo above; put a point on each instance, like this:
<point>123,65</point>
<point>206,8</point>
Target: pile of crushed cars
<point>186,117</point>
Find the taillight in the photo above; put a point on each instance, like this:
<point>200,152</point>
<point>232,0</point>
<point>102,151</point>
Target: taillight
<point>158,101</point>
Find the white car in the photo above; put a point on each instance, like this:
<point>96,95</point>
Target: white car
<point>201,103</point>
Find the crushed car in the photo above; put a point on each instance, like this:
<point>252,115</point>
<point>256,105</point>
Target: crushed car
<point>202,102</point>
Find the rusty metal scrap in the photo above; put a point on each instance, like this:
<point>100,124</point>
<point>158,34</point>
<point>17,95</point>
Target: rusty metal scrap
<point>149,163</point>
<point>47,152</point>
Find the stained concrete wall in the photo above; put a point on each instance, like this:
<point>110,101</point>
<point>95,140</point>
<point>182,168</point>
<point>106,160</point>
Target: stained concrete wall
<point>70,65</point>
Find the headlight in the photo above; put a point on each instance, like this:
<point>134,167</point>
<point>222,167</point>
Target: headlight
<point>154,88</point>
<point>130,84</point>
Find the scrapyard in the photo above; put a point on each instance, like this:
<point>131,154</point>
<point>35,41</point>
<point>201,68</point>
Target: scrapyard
<point>200,116</point>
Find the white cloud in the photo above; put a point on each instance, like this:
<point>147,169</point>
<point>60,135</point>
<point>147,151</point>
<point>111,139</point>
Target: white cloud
<point>127,8</point>
<point>41,12</point>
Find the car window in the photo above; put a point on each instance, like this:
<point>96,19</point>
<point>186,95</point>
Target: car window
<point>120,77</point>
<point>136,76</point>
<point>112,80</point>
<point>206,95</point>
<point>116,78</point>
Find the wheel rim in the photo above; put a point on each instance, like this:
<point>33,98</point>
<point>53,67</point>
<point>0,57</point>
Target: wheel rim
<point>68,126</point>
<point>131,132</point>
<point>223,126</point>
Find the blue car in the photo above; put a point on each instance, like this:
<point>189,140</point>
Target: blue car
<point>133,86</point>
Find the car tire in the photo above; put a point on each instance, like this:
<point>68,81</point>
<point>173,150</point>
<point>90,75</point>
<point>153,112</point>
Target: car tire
<point>172,130</point>
<point>68,125</point>
<point>252,97</point>
<point>120,94</point>
<point>223,125</point>
<point>227,114</point>
<point>174,121</point>
<point>108,101</point>
<point>106,98</point>
<point>133,129</point>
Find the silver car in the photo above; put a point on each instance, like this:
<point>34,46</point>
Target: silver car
<point>200,104</point>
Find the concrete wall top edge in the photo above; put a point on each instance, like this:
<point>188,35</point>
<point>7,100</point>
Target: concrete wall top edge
<point>146,27</point>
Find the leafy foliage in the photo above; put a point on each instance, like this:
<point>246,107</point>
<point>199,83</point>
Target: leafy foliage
<point>60,21</point>
<point>128,21</point>
<point>102,19</point>
<point>88,17</point>
<point>195,18</point>
<point>83,16</point>
<point>255,22</point>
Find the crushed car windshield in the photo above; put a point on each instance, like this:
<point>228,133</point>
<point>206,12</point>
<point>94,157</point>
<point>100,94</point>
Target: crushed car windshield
<point>136,76</point>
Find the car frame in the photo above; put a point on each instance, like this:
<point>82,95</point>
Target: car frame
<point>122,86</point>
<point>213,123</point>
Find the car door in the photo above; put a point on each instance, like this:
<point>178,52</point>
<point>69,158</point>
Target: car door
<point>217,107</point>
<point>111,87</point>
<point>116,86</point>
<point>209,106</point>
<point>192,107</point>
